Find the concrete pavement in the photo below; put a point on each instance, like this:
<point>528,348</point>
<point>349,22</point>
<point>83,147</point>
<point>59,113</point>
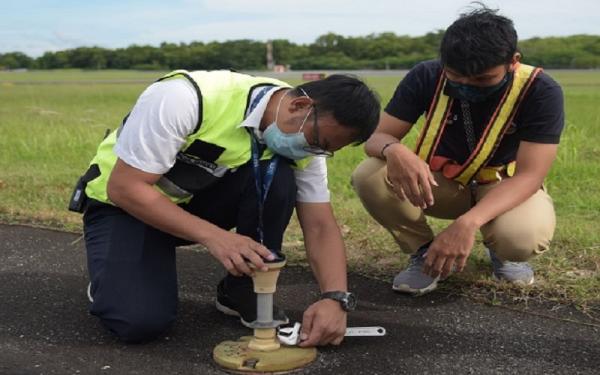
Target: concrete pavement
<point>45,327</point>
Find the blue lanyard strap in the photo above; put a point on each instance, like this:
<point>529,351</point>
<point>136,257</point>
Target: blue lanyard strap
<point>263,184</point>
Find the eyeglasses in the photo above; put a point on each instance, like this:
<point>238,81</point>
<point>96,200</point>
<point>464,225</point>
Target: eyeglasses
<point>314,147</point>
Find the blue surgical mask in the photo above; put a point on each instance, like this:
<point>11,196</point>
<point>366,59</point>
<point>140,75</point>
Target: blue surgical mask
<point>474,94</point>
<point>289,145</point>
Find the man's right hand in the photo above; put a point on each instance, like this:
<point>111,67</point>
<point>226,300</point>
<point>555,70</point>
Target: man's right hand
<point>409,175</point>
<point>234,251</point>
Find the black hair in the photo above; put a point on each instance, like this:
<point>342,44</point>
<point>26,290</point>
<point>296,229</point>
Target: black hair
<point>477,41</point>
<point>348,99</point>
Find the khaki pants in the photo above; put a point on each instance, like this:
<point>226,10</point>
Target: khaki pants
<point>516,235</point>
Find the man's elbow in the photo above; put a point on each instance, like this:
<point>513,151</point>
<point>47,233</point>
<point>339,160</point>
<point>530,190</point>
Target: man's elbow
<point>320,231</point>
<point>115,191</point>
<point>531,182</point>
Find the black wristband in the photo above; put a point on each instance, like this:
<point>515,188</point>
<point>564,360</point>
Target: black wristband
<point>386,146</point>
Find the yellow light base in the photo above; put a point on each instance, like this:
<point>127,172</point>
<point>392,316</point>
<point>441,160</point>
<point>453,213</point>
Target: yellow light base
<point>235,356</point>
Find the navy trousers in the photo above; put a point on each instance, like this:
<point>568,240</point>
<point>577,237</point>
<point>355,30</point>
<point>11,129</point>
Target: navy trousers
<point>132,265</point>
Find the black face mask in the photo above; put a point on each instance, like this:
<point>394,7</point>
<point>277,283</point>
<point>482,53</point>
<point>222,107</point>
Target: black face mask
<point>475,94</point>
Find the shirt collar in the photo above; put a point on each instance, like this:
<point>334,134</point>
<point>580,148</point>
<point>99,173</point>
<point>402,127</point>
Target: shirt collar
<point>254,117</point>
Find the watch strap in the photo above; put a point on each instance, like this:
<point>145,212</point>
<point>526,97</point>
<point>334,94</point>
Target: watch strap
<point>342,297</point>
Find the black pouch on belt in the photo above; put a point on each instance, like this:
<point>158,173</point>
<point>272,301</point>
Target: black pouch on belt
<point>78,198</point>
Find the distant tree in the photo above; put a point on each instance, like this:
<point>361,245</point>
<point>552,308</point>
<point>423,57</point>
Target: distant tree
<point>15,60</point>
<point>577,51</point>
<point>329,51</point>
<point>287,53</point>
<point>237,54</point>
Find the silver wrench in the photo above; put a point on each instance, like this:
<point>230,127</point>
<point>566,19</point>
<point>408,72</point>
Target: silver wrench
<point>291,335</point>
<point>365,331</point>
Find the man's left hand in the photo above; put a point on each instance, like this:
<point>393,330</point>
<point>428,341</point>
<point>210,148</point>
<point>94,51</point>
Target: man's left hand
<point>449,249</point>
<point>324,323</point>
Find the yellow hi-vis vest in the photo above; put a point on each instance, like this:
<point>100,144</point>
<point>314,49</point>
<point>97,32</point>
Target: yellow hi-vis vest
<point>216,145</point>
<point>475,167</point>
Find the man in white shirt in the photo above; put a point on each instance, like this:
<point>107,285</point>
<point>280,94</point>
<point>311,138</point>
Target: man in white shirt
<point>196,158</point>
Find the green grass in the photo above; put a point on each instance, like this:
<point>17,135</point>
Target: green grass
<point>52,121</point>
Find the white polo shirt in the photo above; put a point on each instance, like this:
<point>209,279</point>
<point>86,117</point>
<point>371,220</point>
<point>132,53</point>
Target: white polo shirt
<point>167,112</point>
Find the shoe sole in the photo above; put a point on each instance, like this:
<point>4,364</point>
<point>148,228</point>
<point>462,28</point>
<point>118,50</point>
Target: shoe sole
<point>404,288</point>
<point>226,310</point>
<point>89,293</point>
<point>515,282</point>
<point>230,312</point>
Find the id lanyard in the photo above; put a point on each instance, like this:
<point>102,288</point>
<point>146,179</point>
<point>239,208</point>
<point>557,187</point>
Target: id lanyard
<point>263,183</point>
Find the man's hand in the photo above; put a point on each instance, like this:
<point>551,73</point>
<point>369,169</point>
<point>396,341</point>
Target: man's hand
<point>324,322</point>
<point>449,249</point>
<point>410,176</point>
<point>234,251</point>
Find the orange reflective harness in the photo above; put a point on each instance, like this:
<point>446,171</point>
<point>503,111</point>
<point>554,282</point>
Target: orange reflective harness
<point>475,168</point>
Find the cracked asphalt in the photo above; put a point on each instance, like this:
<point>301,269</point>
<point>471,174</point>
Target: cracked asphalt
<point>45,327</point>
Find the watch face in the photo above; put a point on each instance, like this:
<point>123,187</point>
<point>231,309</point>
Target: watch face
<point>347,300</point>
<point>350,301</point>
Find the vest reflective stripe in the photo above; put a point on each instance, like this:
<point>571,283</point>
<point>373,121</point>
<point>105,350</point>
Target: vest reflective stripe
<point>224,98</point>
<point>437,114</point>
<point>170,189</point>
<point>492,135</point>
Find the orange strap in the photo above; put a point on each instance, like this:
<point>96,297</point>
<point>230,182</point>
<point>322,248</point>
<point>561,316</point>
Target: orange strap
<point>486,175</point>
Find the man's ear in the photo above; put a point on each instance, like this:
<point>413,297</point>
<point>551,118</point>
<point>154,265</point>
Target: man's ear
<point>515,61</point>
<point>300,103</point>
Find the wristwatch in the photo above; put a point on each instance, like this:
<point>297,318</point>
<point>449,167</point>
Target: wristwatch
<point>347,300</point>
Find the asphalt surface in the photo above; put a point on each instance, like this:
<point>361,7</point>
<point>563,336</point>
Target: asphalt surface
<point>45,327</point>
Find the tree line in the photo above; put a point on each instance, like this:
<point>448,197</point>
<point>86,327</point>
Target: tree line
<point>328,51</point>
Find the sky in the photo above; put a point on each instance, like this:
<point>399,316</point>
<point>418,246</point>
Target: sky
<point>36,26</point>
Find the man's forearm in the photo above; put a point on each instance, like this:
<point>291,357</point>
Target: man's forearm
<point>327,257</point>
<point>508,194</point>
<point>390,130</point>
<point>377,142</point>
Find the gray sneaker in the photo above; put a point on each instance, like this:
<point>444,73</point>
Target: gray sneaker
<point>519,273</point>
<point>412,280</point>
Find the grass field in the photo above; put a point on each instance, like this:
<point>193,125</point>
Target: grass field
<point>52,121</point>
